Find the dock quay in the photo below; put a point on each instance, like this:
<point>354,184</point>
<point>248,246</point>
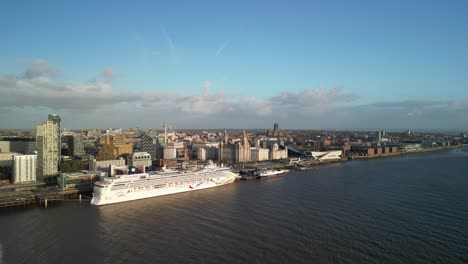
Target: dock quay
<point>45,199</point>
<point>18,201</point>
<point>24,200</point>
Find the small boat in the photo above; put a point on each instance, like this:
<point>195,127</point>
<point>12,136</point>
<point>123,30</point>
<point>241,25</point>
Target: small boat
<point>270,173</point>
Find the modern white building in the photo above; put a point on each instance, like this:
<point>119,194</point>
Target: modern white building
<point>327,155</point>
<point>47,140</point>
<point>104,165</point>
<point>24,168</point>
<point>139,160</point>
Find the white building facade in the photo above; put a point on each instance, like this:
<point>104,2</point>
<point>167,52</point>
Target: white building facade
<point>276,153</point>
<point>105,165</point>
<point>24,168</point>
<point>260,154</point>
<point>139,159</point>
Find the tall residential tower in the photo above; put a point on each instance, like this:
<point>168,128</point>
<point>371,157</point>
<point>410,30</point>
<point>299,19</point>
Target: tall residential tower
<point>48,150</point>
<point>57,120</point>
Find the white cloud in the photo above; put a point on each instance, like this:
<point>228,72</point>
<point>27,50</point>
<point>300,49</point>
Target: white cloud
<point>38,68</point>
<point>96,103</point>
<point>319,99</point>
<point>255,106</point>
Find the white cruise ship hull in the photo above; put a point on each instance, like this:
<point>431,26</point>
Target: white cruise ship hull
<point>103,196</point>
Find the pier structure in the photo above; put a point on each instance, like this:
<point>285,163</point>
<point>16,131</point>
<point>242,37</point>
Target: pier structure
<point>45,199</point>
<point>24,200</point>
<point>17,201</point>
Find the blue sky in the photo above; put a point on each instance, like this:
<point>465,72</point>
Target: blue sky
<point>305,64</point>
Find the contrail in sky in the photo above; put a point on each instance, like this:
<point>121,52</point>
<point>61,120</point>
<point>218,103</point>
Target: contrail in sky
<point>220,50</point>
<point>170,44</point>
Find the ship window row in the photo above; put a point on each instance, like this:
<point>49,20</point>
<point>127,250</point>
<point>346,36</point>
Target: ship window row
<point>155,186</point>
<point>118,187</point>
<point>172,179</point>
<point>161,185</point>
<point>174,182</point>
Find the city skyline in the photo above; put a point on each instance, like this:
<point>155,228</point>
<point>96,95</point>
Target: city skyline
<point>340,65</point>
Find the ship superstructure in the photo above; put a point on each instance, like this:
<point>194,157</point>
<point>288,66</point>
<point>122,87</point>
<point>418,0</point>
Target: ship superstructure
<point>122,188</point>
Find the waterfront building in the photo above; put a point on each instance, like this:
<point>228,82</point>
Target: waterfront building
<point>24,168</point>
<point>57,121</point>
<point>104,165</point>
<point>429,143</point>
<point>48,150</point>
<point>6,162</point>
<point>243,150</point>
<point>327,155</point>
<point>210,150</point>
<point>139,160</point>
<point>80,181</point>
<point>114,147</point>
<point>177,149</point>
<point>410,146</point>
<point>75,145</point>
<point>260,154</point>
<point>234,152</point>
<point>20,145</point>
<point>198,144</point>
<point>257,143</point>
<point>276,153</point>
<point>212,153</point>
<point>226,149</point>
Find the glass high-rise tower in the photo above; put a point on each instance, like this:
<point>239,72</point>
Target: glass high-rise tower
<point>57,120</point>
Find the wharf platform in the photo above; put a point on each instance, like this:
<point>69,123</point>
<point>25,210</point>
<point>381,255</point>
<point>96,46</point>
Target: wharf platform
<point>19,201</point>
<point>30,199</point>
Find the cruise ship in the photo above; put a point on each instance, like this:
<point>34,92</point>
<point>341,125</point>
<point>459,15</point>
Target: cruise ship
<point>129,187</point>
